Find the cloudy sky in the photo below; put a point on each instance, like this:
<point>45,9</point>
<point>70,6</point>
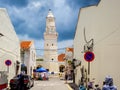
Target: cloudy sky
<point>28,18</point>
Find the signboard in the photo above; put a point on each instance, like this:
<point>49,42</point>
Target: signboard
<point>89,56</point>
<point>8,62</point>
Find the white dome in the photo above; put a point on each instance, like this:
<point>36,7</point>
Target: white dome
<point>50,14</point>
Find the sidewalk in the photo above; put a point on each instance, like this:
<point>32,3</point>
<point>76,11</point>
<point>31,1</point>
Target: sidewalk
<point>73,86</point>
<point>70,84</point>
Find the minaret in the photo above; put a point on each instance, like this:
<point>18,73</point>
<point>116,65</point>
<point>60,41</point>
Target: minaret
<point>50,44</point>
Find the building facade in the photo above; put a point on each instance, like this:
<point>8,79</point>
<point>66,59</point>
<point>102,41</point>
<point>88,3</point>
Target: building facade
<point>50,44</point>
<point>28,57</point>
<point>9,47</point>
<point>99,25</point>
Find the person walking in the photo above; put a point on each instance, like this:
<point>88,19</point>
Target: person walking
<point>66,74</point>
<point>82,87</point>
<point>97,87</point>
<point>108,84</point>
<point>66,77</point>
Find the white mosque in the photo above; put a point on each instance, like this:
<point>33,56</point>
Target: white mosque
<point>51,60</point>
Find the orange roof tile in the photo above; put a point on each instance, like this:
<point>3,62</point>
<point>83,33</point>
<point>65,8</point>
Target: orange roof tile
<point>69,49</point>
<point>25,44</point>
<point>61,57</point>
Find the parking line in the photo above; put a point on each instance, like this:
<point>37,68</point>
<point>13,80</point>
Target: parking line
<point>69,87</point>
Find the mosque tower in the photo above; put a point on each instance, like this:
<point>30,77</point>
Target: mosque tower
<point>50,44</point>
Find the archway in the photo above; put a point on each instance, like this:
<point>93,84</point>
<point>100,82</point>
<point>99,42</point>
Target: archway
<point>39,66</point>
<point>61,68</point>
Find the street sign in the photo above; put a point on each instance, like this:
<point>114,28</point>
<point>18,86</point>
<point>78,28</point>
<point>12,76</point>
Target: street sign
<point>89,56</point>
<point>8,62</point>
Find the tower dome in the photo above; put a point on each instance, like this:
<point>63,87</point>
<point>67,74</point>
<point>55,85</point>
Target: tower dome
<point>50,13</point>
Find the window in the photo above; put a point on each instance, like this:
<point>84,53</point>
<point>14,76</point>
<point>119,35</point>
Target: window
<point>50,20</point>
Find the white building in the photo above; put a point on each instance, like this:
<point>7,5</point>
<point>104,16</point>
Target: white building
<point>50,44</point>
<point>28,56</point>
<point>9,46</point>
<point>102,24</point>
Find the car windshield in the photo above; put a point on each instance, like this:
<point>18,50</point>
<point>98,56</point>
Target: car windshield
<point>18,76</point>
<point>26,76</point>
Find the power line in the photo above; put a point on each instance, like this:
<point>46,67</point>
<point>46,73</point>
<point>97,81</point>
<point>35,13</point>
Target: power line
<point>49,49</point>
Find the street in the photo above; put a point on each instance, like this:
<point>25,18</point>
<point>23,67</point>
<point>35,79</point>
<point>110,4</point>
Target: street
<point>54,83</point>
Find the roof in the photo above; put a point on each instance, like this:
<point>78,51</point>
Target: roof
<point>50,13</point>
<point>61,57</point>
<point>69,49</point>
<point>25,44</point>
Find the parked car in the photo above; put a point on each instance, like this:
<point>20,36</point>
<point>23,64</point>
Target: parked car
<point>15,82</point>
<point>28,81</point>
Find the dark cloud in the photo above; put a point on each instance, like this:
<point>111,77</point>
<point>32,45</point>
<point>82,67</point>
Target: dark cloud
<point>67,35</point>
<point>16,3</point>
<point>66,32</point>
<point>81,3</point>
<point>18,23</point>
<point>34,23</point>
<point>35,32</point>
<point>31,20</point>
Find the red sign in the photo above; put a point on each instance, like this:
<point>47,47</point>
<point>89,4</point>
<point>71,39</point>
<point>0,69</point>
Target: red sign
<point>89,56</point>
<point>3,86</point>
<point>8,62</point>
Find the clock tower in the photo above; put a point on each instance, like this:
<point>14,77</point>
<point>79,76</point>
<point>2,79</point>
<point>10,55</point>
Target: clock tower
<point>50,44</point>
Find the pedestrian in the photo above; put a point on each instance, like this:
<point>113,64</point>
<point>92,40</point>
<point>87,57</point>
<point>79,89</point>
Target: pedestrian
<point>97,87</point>
<point>60,76</point>
<point>109,84</point>
<point>90,85</point>
<point>82,87</point>
<point>66,76</point>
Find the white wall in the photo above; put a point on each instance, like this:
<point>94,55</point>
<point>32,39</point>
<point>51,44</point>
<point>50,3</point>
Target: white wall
<point>30,58</point>
<point>102,23</point>
<point>9,43</point>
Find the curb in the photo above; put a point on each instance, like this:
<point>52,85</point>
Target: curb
<point>69,87</point>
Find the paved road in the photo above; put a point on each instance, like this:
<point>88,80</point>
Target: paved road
<point>52,84</point>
